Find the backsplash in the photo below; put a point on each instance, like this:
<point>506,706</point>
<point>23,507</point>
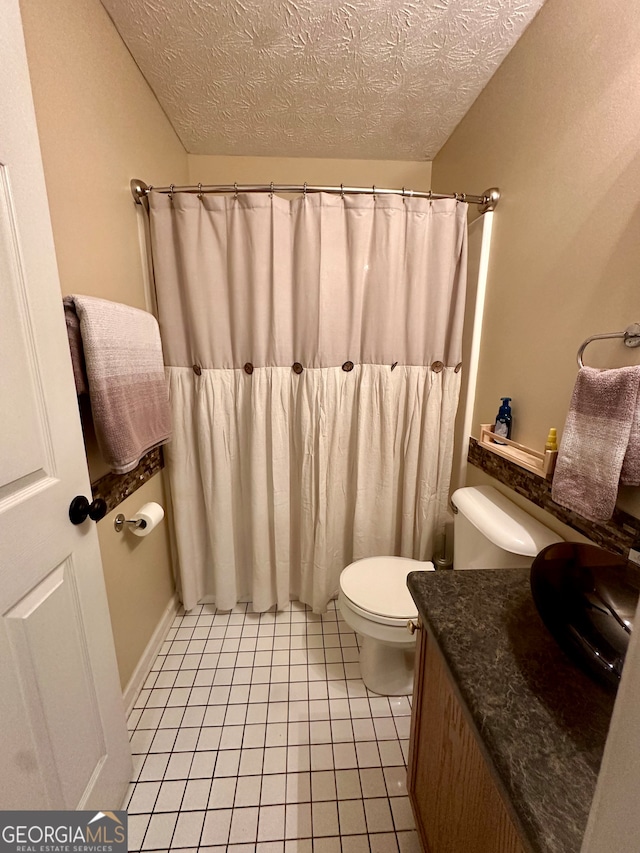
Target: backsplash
<point>616,535</point>
<point>114,488</point>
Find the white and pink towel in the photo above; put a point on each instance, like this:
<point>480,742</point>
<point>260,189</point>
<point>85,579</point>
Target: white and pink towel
<point>600,446</point>
<point>120,349</point>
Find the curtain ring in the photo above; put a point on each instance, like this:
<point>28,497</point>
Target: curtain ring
<point>342,191</point>
<point>200,191</point>
<point>235,191</point>
<point>403,203</point>
<point>374,192</point>
<point>271,190</point>
<point>304,190</point>
<point>430,196</point>
<point>171,192</point>
<point>463,196</point>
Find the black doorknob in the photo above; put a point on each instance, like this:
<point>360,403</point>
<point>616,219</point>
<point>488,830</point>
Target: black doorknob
<point>80,509</point>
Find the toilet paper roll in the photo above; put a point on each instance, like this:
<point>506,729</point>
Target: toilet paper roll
<point>152,514</point>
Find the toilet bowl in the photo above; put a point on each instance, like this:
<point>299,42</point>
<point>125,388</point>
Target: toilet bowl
<point>375,602</point>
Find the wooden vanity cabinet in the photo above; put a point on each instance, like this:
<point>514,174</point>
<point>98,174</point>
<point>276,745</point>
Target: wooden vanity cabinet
<point>456,804</point>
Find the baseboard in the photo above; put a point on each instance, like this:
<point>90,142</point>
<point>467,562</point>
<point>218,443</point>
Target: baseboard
<point>142,670</point>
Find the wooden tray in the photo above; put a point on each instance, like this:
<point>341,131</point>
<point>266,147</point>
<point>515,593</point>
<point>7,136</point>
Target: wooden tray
<point>541,464</point>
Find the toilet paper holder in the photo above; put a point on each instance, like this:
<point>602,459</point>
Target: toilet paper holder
<point>136,523</point>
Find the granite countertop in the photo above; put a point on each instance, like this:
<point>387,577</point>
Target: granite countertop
<point>542,723</point>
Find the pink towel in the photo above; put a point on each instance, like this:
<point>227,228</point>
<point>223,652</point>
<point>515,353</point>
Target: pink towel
<point>126,378</point>
<point>601,442</point>
<point>75,347</point>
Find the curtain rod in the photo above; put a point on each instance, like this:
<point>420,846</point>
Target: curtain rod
<point>486,202</point>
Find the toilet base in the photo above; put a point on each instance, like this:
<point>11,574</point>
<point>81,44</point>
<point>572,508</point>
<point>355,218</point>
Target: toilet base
<point>387,669</point>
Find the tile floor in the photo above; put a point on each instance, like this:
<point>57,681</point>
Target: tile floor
<point>254,732</point>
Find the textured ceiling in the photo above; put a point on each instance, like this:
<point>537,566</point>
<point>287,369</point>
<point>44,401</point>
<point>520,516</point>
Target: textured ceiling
<point>370,79</point>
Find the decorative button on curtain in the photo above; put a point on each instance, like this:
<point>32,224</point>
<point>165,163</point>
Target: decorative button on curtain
<point>281,477</point>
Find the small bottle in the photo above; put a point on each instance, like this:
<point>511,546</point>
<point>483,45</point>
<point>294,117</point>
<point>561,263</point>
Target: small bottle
<point>552,440</point>
<point>503,420</point>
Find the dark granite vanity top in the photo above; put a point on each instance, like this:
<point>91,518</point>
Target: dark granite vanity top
<point>541,722</point>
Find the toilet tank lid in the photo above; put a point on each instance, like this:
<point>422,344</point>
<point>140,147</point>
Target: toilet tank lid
<point>502,522</point>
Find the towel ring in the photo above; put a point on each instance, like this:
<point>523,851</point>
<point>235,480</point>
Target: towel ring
<point>630,337</point>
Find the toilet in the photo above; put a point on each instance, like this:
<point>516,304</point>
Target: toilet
<point>490,532</point>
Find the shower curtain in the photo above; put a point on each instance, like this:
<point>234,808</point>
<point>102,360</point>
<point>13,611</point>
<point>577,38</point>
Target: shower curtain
<point>313,354</point>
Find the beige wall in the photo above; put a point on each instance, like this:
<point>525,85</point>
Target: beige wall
<point>558,130</point>
<point>100,126</point>
<point>288,170</point>
<point>137,576</point>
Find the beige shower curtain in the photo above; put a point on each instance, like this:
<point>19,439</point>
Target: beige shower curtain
<point>313,353</point>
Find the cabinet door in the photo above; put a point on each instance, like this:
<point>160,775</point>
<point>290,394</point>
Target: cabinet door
<point>456,805</point>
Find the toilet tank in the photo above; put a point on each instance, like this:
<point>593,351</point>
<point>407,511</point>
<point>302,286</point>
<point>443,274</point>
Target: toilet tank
<point>491,532</point>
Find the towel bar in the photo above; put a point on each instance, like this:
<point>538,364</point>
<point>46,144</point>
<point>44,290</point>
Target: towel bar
<point>630,336</point>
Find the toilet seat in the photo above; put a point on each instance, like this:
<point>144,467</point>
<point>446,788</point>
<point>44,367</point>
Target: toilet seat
<point>376,589</point>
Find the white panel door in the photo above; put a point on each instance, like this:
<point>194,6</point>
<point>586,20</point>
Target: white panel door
<point>63,737</point>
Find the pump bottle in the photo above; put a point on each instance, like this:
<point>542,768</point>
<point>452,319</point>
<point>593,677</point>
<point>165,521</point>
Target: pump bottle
<point>503,420</point>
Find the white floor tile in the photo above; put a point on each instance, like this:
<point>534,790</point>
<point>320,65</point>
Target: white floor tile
<point>385,728</point>
<point>136,828</point>
<point>271,823</point>
<point>227,763</point>
<point>179,765</point>
<point>325,819</point>
<point>188,829</point>
<point>159,831</point>
<point>278,712</point>
<point>170,796</point>
<point>231,737</point>
<point>248,791</point>
<point>384,842</point>
<point>196,794</point>
<point>193,716</point>
<point>378,815</point>
<point>299,758</point>
<point>244,825</point>
<point>252,762</point>
<point>273,790</point>
<point>143,798</point>
<point>140,741</point>
<point>275,759</point>
<point>390,753</point>
<point>223,792</point>
<point>322,756</point>
<point>344,756</point>
<point>363,729</point>
<point>327,845</point>
<point>408,842</point>
<point>208,738</point>
<point>154,768</point>
<point>216,827</point>
<point>170,718</point>
<point>298,788</point>
<point>186,740</point>
<point>298,822</point>
<point>402,814</point>
<point>163,740</point>
<point>396,780</point>
<point>372,782</point>
<point>351,815</point>
<point>323,785</point>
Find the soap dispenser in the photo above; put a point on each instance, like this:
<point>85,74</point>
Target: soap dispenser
<point>503,420</point>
